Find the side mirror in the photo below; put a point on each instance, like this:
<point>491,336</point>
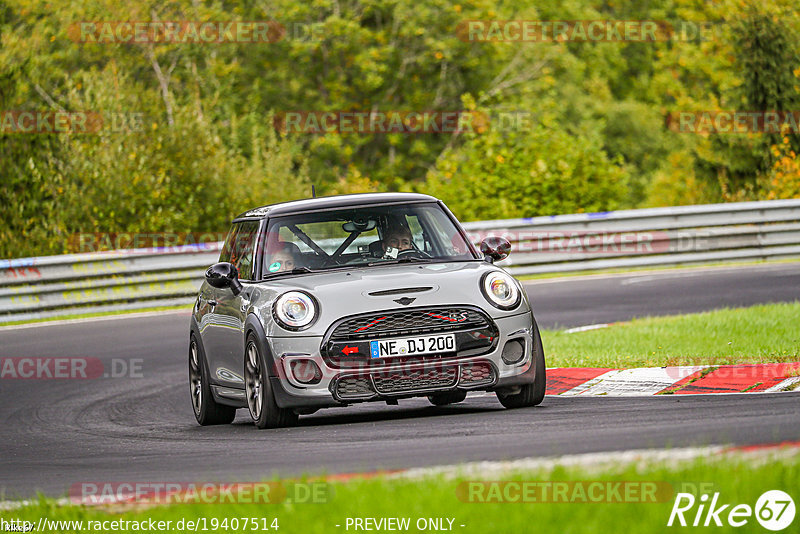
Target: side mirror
<point>495,248</point>
<point>222,275</point>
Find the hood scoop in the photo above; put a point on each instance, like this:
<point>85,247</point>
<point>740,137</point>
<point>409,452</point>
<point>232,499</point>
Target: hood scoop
<point>400,291</point>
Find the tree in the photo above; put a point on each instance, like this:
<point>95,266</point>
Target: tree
<point>527,172</point>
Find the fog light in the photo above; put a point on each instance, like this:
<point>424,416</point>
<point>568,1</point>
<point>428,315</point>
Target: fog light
<point>306,371</point>
<point>514,351</point>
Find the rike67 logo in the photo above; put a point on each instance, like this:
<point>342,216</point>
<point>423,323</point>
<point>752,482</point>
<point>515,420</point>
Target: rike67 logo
<point>774,510</point>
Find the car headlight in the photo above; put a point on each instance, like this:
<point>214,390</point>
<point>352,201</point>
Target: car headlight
<point>500,290</point>
<point>295,310</point>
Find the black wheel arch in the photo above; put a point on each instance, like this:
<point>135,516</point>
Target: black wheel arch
<point>252,325</point>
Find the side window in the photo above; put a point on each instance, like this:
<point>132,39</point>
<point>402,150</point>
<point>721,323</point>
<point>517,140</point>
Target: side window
<point>241,253</point>
<point>416,233</point>
<point>227,248</point>
<point>445,237</point>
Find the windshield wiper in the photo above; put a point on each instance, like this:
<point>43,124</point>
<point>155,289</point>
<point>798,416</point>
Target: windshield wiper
<point>296,270</point>
<point>413,259</point>
<point>410,259</point>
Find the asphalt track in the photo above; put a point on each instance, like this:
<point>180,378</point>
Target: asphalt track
<point>55,433</point>
<point>606,299</point>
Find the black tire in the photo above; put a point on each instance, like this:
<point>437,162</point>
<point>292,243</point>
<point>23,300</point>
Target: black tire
<point>264,411</point>
<point>206,410</point>
<point>529,394</point>
<point>451,397</point>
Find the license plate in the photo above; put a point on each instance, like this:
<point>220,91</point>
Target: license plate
<point>412,346</point>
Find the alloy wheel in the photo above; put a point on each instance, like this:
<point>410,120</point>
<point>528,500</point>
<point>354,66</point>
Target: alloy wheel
<point>195,378</point>
<point>254,387</point>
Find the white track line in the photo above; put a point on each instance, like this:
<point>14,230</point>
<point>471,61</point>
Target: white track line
<point>600,461</point>
<point>586,386</point>
<point>629,382</point>
<point>590,460</point>
<point>782,385</point>
<point>586,328</point>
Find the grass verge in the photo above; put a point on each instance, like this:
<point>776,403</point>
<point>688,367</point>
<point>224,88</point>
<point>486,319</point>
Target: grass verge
<point>738,479</point>
<point>758,334</point>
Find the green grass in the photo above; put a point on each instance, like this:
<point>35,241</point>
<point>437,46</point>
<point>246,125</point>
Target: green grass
<point>738,480</point>
<point>758,334</point>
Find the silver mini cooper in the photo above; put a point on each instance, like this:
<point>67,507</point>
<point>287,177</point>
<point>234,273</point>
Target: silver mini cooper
<point>376,297</point>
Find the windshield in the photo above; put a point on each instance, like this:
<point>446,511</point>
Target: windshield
<point>363,236</point>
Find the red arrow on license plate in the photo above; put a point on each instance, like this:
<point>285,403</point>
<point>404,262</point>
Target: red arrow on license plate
<point>349,350</point>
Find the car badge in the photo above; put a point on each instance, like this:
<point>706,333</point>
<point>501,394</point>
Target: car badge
<point>405,301</point>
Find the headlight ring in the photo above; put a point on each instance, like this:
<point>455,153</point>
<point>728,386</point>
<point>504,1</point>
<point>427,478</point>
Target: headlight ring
<point>501,290</point>
<point>295,310</point>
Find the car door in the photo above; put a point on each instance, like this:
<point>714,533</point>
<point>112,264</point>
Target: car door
<point>224,334</point>
<point>210,320</point>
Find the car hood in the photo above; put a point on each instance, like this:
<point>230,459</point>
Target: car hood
<point>353,291</point>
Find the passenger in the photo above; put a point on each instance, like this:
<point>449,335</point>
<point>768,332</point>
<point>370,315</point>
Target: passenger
<point>284,257</point>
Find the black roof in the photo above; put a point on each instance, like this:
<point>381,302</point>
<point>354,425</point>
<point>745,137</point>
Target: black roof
<point>333,202</point>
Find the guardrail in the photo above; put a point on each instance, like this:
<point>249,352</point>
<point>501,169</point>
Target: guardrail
<point>40,287</point>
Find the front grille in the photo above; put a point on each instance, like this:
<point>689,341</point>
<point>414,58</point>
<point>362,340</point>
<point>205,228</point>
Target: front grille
<point>474,374</point>
<point>401,381</point>
<point>397,381</point>
<point>408,322</point>
<point>354,386</point>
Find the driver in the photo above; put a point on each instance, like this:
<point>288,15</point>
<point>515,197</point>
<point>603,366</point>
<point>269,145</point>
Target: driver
<point>284,257</point>
<point>398,238</point>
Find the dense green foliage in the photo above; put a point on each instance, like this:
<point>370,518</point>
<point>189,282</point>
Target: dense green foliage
<point>188,138</point>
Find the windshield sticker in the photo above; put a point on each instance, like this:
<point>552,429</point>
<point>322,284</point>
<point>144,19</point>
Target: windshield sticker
<point>275,267</point>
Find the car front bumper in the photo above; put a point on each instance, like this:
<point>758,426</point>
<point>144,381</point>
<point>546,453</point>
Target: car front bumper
<point>339,386</point>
